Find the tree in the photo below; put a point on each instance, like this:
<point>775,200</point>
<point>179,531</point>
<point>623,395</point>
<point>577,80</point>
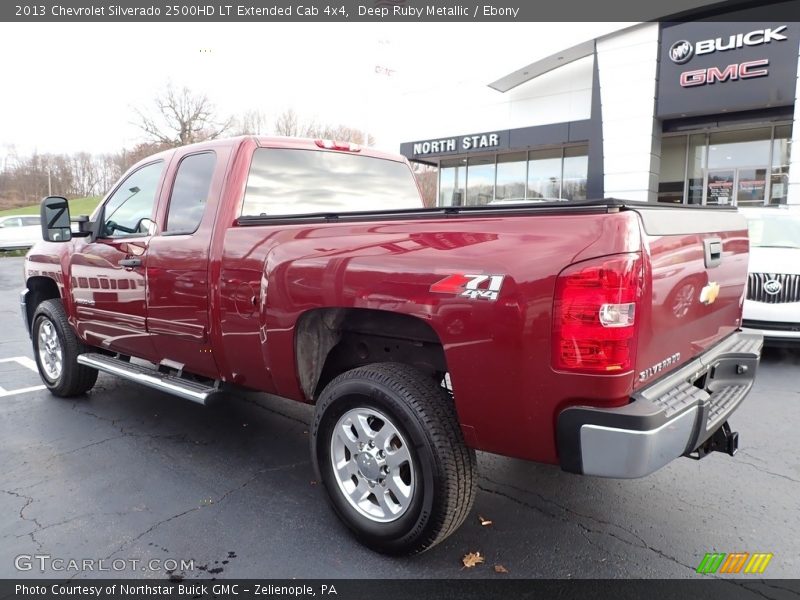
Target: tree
<point>252,122</point>
<point>288,124</point>
<point>182,117</point>
<point>427,177</point>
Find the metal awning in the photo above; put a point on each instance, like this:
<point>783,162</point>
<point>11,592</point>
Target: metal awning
<point>540,67</point>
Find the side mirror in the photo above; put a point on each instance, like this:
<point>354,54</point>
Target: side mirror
<point>55,219</point>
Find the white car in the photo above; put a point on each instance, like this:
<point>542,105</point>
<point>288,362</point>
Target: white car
<point>772,304</point>
<point>19,231</point>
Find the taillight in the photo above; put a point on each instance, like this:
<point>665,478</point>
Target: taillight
<point>335,145</point>
<point>594,314</point>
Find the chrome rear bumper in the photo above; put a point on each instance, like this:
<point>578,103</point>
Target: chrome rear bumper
<point>670,418</point>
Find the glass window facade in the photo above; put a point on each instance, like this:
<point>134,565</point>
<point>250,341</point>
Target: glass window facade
<point>452,182</point>
<point>512,172</point>
<point>557,173</point>
<point>480,180</point>
<point>744,167</point>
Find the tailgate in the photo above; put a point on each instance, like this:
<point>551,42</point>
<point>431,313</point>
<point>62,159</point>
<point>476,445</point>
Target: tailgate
<point>698,269</point>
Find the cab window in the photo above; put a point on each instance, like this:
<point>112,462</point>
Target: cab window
<point>129,210</point>
<point>189,196</point>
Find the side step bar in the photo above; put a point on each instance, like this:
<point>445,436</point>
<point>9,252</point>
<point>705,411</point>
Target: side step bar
<point>177,386</point>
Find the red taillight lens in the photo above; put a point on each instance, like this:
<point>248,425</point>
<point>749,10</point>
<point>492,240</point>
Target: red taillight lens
<point>594,314</point>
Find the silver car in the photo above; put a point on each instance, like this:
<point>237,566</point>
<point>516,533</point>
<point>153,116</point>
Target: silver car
<point>19,231</point>
<point>772,304</point>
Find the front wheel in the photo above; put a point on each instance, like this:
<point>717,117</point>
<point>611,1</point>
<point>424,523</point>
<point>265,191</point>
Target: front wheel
<point>388,448</point>
<point>56,349</point>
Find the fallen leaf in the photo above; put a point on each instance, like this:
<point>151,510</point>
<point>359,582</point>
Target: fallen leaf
<point>500,569</point>
<point>484,522</point>
<point>473,559</point>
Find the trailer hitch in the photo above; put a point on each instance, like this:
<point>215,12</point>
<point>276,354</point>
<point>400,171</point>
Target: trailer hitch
<point>722,440</point>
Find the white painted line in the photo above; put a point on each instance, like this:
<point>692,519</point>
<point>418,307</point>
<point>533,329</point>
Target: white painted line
<point>24,361</point>
<point>28,363</point>
<point>34,388</point>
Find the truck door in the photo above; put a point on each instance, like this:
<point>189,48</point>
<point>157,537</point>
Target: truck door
<point>109,290</point>
<point>178,262</point>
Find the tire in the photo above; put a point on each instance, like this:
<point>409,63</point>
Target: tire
<point>426,486</point>
<point>56,349</point>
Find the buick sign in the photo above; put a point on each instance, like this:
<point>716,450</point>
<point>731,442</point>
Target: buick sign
<point>773,286</point>
<point>681,52</point>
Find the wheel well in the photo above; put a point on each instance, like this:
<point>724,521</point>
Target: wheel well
<point>39,290</point>
<point>330,341</point>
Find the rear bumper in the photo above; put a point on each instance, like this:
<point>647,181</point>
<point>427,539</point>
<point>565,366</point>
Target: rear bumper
<point>669,418</point>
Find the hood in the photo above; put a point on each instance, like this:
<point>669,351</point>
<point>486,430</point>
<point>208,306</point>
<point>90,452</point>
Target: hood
<point>774,260</point>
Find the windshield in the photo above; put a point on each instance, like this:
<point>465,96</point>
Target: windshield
<point>778,230</point>
<point>294,182</point>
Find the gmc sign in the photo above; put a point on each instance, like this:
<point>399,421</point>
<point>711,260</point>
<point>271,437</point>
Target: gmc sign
<point>745,70</point>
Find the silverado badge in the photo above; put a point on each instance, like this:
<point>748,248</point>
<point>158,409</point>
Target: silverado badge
<point>709,293</point>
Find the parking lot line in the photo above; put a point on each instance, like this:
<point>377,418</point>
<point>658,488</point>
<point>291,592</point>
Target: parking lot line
<point>22,360</point>
<point>33,388</point>
<point>26,362</point>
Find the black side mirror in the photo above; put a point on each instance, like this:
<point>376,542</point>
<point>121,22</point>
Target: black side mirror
<point>55,219</point>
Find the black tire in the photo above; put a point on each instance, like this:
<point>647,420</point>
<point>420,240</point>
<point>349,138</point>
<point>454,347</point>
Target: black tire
<point>423,413</point>
<point>73,379</point>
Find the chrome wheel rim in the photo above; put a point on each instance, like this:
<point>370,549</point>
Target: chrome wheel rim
<point>372,465</point>
<point>51,356</point>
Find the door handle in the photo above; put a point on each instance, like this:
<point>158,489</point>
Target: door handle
<point>130,262</point>
<point>712,249</point>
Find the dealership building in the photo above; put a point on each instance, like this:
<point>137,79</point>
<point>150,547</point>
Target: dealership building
<point>699,112</point>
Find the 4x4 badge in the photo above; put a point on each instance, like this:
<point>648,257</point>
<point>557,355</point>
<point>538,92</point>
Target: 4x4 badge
<point>486,287</point>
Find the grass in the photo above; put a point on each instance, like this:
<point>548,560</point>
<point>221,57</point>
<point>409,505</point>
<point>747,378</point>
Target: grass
<point>78,206</point>
<point>10,253</point>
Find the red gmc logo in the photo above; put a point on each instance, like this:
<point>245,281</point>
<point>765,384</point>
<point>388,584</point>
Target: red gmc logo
<point>745,70</point>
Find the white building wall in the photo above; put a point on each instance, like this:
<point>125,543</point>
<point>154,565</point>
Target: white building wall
<point>564,94</point>
<point>627,67</point>
<point>793,196</point>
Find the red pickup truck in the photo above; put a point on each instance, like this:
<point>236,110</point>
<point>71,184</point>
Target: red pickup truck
<point>602,336</point>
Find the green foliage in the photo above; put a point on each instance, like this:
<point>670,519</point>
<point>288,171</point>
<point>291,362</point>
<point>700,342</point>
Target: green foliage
<point>78,206</point>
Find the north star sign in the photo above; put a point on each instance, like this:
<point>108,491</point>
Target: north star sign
<point>455,144</point>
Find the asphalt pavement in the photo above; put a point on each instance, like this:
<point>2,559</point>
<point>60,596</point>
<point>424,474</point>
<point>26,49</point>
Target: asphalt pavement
<point>131,475</point>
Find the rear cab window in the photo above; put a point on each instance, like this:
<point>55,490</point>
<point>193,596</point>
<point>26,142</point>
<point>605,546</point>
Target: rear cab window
<point>190,193</point>
<point>285,182</point>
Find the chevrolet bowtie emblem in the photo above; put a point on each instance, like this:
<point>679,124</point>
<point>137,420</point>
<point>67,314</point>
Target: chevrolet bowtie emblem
<point>709,293</point>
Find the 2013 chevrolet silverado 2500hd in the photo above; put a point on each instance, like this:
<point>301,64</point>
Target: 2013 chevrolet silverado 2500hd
<point>601,336</point>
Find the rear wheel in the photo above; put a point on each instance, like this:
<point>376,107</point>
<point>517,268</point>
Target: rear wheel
<point>388,448</point>
<point>56,349</point>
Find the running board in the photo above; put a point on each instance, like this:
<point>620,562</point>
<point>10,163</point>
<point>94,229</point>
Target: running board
<point>177,386</point>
